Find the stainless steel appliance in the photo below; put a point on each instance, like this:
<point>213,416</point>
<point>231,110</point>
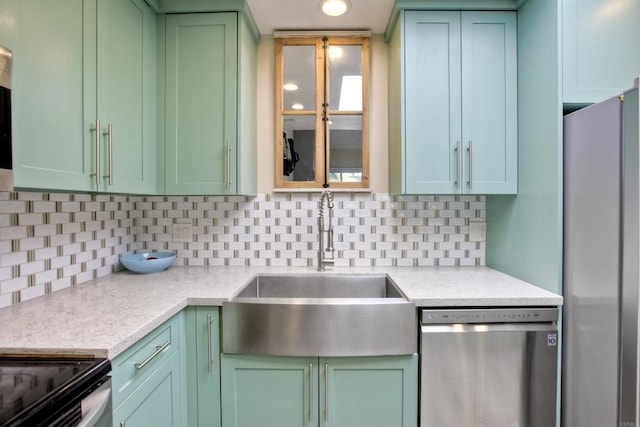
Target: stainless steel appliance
<point>6,174</point>
<point>600,279</point>
<point>488,367</point>
<point>57,392</point>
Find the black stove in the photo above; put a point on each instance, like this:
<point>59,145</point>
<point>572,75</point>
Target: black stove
<point>37,391</point>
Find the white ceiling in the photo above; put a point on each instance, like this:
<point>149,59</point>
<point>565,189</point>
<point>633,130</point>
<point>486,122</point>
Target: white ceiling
<point>271,15</point>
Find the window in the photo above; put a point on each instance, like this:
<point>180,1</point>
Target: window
<point>321,112</point>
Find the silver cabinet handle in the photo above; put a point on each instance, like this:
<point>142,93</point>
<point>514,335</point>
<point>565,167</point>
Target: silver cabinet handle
<point>469,150</point>
<point>109,135</point>
<point>122,424</point>
<point>97,156</point>
<point>457,150</point>
<point>326,391</point>
<point>159,349</point>
<point>228,165</point>
<point>310,391</point>
<point>209,343</point>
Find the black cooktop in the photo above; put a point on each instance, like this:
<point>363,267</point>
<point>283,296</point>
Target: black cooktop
<point>34,388</point>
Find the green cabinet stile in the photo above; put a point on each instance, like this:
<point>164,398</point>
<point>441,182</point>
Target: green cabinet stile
<point>80,62</point>
<point>453,103</point>
<point>210,119</point>
<point>203,366</point>
<point>313,392</point>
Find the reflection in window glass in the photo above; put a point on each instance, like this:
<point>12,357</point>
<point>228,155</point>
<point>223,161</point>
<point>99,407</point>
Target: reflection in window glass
<point>299,78</point>
<point>299,145</point>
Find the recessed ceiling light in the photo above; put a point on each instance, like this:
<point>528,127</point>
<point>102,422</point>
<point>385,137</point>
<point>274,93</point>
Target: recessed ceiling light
<point>290,86</point>
<point>335,52</point>
<point>297,107</point>
<point>334,7</point>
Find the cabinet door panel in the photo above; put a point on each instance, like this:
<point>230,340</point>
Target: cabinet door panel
<point>369,392</point>
<point>489,102</point>
<point>600,48</point>
<point>126,93</point>
<point>157,401</point>
<point>201,75</point>
<point>203,366</point>
<point>54,95</point>
<point>432,73</point>
<point>269,391</point>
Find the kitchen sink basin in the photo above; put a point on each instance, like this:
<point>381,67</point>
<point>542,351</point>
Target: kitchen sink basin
<point>320,286</point>
<point>319,315</point>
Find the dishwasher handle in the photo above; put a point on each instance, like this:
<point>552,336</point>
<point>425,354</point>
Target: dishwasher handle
<point>484,315</point>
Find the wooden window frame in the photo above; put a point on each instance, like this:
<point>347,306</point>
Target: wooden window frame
<point>321,170</point>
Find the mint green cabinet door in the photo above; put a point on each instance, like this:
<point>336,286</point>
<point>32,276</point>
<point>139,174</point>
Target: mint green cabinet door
<point>203,366</point>
<point>201,103</point>
<point>489,103</point>
<point>156,402</point>
<point>269,391</point>
<point>54,97</point>
<point>126,66</point>
<point>600,54</point>
<point>81,62</point>
<point>459,111</point>
<point>369,391</point>
<point>432,109</point>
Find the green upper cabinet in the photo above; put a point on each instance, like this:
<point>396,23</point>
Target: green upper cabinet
<point>600,52</point>
<point>127,67</point>
<point>210,110</point>
<point>80,63</point>
<point>453,103</point>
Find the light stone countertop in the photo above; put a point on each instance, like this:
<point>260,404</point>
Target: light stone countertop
<point>105,316</point>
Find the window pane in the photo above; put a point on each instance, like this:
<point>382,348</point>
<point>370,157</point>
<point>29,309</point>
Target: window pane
<point>346,148</point>
<point>299,142</point>
<point>299,78</point>
<point>345,70</point>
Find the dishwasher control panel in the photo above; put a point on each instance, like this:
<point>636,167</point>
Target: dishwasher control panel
<point>497,315</point>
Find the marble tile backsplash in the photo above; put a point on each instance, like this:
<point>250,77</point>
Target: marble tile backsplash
<point>50,241</point>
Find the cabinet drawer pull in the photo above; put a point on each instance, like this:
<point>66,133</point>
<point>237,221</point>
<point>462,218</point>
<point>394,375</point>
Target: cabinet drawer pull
<point>209,350</point>
<point>159,349</point>
<point>109,135</point>
<point>97,155</point>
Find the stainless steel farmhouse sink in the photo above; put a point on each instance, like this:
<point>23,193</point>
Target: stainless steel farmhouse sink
<point>319,315</point>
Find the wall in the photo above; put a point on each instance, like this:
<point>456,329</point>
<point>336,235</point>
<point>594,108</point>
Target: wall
<point>50,242</point>
<point>524,233</point>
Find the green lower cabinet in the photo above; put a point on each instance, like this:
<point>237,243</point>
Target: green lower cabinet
<point>369,391</point>
<point>203,366</point>
<point>156,402</point>
<point>296,391</point>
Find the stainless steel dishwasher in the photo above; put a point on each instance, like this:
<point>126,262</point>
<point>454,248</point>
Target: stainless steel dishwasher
<point>488,367</point>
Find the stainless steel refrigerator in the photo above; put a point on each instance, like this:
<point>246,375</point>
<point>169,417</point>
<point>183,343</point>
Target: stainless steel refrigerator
<point>601,257</point>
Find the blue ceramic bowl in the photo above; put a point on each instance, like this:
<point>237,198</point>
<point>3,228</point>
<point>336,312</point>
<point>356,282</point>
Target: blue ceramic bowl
<point>148,262</point>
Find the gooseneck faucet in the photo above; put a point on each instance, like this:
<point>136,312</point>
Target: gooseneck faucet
<point>322,260</point>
